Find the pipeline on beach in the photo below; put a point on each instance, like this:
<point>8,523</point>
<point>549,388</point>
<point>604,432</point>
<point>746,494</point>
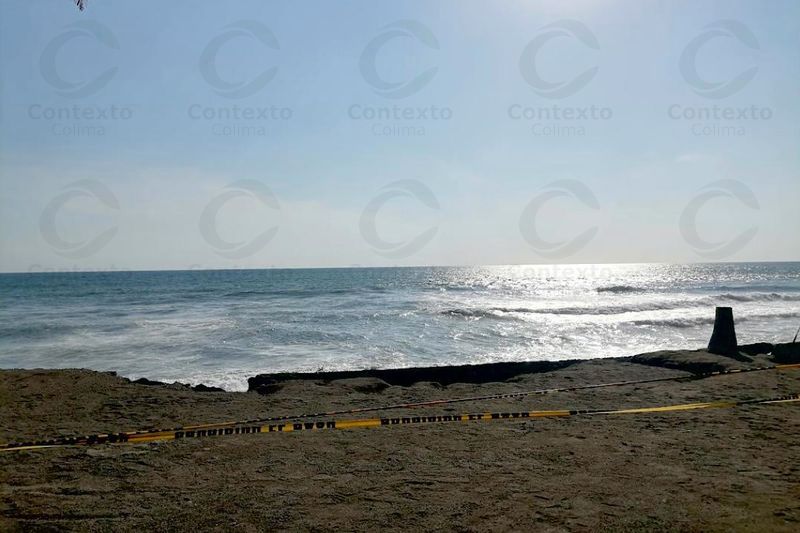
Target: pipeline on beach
<point>211,431</point>
<point>291,423</point>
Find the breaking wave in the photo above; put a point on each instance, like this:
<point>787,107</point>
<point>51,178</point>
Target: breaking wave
<point>497,313</point>
<point>761,297</point>
<point>507,313</point>
<point>619,289</point>
<point>684,322</point>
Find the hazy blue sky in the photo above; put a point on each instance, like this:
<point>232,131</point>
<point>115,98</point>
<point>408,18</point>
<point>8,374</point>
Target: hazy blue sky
<point>206,134</point>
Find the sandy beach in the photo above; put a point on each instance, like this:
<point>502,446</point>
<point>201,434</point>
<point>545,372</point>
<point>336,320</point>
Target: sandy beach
<point>717,469</point>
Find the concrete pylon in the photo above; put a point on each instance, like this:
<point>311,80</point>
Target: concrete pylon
<point>723,338</point>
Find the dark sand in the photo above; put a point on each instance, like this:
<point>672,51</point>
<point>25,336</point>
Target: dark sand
<point>731,469</point>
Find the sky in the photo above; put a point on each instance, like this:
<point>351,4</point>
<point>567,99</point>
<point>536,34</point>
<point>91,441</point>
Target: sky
<point>250,134</point>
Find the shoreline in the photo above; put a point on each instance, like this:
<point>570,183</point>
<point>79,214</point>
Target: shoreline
<point>693,360</point>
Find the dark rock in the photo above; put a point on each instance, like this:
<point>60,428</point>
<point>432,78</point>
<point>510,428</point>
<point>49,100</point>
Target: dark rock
<point>786,353</point>
<point>149,382</point>
<point>756,348</point>
<point>177,385</point>
<point>206,388</point>
<point>404,377</point>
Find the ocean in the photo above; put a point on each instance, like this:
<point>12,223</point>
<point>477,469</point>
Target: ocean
<point>220,326</point>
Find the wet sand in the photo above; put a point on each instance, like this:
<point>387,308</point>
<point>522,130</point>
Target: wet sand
<point>722,469</point>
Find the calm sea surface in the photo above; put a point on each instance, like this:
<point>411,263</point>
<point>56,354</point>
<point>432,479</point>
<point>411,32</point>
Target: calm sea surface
<point>218,327</point>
